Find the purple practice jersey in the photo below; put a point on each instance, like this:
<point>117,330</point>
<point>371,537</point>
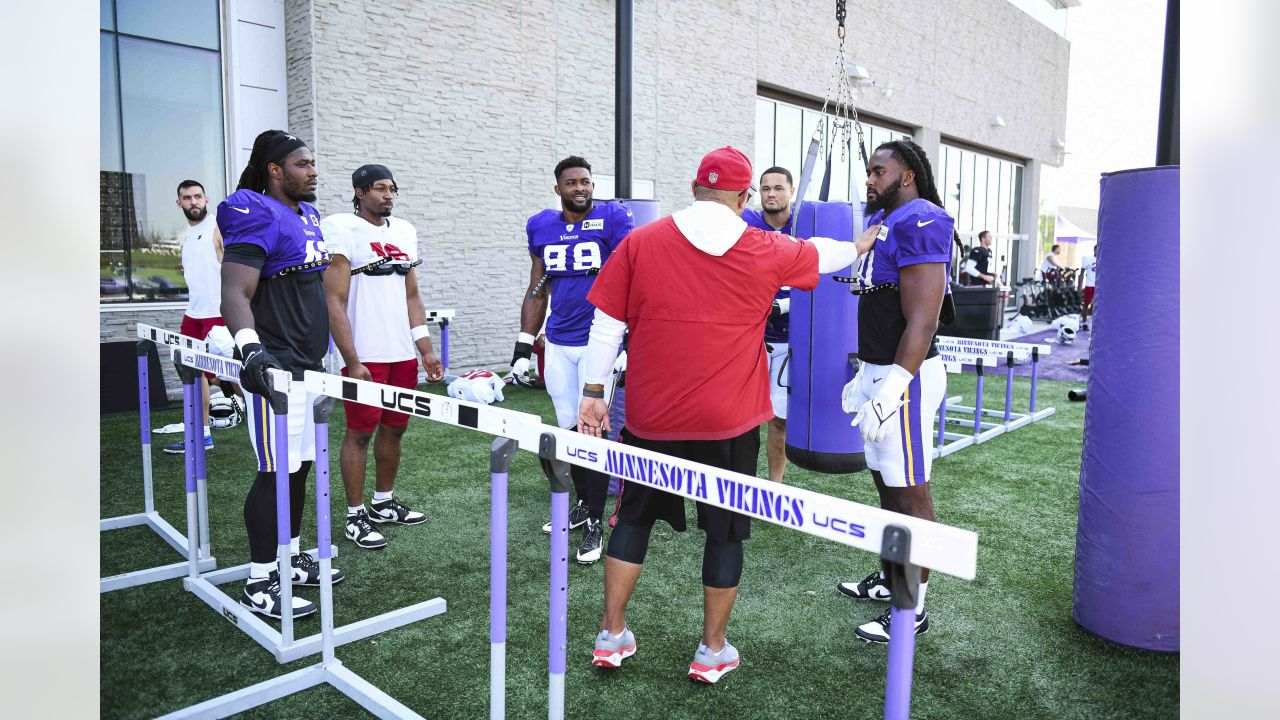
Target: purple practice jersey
<point>573,254</point>
<point>290,311</point>
<point>914,233</point>
<point>774,330</point>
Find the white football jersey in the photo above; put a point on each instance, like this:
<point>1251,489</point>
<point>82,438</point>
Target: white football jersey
<point>377,305</point>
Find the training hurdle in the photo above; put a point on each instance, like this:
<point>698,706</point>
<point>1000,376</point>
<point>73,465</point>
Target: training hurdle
<point>282,644</point>
<point>197,508</point>
<point>442,318</point>
<point>905,544</point>
<point>975,423</point>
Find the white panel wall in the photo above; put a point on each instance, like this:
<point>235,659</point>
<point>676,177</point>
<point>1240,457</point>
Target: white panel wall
<point>257,87</point>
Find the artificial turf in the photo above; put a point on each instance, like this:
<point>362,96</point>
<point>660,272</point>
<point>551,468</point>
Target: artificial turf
<point>1002,646</point>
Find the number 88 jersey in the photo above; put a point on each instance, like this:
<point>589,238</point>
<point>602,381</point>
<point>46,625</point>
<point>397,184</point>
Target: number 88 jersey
<point>572,254</point>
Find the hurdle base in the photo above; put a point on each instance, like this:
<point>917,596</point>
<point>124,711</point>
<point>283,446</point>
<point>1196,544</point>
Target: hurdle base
<point>271,639</point>
<point>175,539</point>
<point>334,673</point>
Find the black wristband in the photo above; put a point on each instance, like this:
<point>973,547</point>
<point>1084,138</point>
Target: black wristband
<point>523,350</point>
<point>597,394</point>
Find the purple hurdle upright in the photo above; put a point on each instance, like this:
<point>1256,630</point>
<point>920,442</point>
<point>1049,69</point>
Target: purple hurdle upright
<point>444,342</point>
<point>501,452</point>
<point>191,437</point>
<point>904,580</point>
<point>144,422</point>
<point>1008,387</point>
<point>977,400</point>
<point>557,644</point>
<point>1035,366</point>
<point>279,402</point>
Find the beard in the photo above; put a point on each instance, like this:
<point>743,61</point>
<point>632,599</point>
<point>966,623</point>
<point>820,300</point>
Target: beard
<point>884,200</point>
<point>574,207</point>
<point>195,214</point>
<point>298,191</point>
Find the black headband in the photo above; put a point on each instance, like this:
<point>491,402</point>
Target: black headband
<point>279,147</point>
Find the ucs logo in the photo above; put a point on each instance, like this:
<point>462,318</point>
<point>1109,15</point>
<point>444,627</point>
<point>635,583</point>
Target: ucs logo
<point>583,454</point>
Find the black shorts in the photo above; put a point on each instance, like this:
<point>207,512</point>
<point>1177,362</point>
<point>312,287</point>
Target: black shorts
<point>643,505</point>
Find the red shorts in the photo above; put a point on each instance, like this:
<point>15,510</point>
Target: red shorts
<point>364,418</point>
<point>1088,295</point>
<point>199,328</point>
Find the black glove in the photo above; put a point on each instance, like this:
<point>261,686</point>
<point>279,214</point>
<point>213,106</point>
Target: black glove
<point>253,371</point>
<point>775,312</point>
<point>523,350</point>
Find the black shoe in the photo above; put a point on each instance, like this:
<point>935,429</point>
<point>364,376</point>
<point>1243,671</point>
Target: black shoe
<point>263,597</point>
<point>577,517</point>
<point>589,550</point>
<point>360,532</point>
<point>873,587</point>
<point>877,631</point>
<point>394,511</point>
<point>306,571</point>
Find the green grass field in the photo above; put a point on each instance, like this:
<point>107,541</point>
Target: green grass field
<point>1003,646</point>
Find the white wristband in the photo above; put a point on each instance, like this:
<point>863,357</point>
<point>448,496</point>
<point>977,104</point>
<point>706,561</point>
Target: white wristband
<point>525,337</point>
<point>246,336</point>
<point>895,384</point>
<point>419,332</point>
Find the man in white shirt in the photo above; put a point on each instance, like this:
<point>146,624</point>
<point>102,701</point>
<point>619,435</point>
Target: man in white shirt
<point>1051,266</point>
<point>378,324</point>
<point>1088,279</point>
<point>202,268</point>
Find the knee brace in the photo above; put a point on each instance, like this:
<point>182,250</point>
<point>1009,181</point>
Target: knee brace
<point>722,563</point>
<point>629,543</point>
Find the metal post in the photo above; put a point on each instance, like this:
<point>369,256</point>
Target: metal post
<point>1035,366</point>
<point>144,422</point>
<point>1008,386</point>
<point>977,402</point>
<point>202,480</point>
<point>324,544</point>
<point>444,343</point>
<point>623,49</point>
<point>279,403</point>
<point>501,452</point>
<point>904,582</point>
<point>557,473</point>
<point>190,431</point>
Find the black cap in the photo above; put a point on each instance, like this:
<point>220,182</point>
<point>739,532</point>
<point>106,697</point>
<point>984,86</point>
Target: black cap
<point>367,175</point>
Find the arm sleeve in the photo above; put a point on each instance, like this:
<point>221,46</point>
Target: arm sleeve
<point>930,243</point>
<point>602,348</point>
<point>246,254</point>
<point>612,288</point>
<point>797,261</point>
<point>834,255</point>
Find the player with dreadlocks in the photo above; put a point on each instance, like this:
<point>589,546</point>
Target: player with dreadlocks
<point>274,302</point>
<point>896,393</point>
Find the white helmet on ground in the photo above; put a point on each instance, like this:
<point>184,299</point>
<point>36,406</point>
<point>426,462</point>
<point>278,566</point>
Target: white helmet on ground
<point>226,412</point>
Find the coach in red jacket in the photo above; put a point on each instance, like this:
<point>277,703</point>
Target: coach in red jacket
<point>694,289</point>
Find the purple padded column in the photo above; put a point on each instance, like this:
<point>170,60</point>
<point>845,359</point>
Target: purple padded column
<point>320,413</point>
<point>501,453</point>
<point>444,342</point>
<point>280,419</point>
<point>190,431</point>
<point>1127,552</point>
<point>559,635</point>
<point>902,647</point>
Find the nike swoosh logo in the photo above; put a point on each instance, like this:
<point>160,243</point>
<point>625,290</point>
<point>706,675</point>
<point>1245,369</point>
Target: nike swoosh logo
<point>922,224</point>
<point>237,209</point>
<point>873,382</point>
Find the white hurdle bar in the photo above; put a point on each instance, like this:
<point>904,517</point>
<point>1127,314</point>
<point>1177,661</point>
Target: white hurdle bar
<point>905,544</point>
<point>985,424</point>
<point>282,644</point>
<point>148,338</point>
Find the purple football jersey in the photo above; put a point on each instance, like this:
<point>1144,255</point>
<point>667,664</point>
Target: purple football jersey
<point>291,240</point>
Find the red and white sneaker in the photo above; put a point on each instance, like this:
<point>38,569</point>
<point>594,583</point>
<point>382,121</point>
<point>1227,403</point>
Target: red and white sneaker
<point>612,649</point>
<point>709,667</point>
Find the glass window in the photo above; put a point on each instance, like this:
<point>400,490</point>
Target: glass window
<point>106,14</point>
<point>787,150</point>
<point>951,186</point>
<point>109,106</point>
<point>764,133</point>
<point>992,195</point>
<point>189,22</point>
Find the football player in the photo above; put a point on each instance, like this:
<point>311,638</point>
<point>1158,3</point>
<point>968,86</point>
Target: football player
<point>567,249</point>
<point>379,326</point>
<point>776,194</point>
<point>273,301</point>
<point>896,393</point>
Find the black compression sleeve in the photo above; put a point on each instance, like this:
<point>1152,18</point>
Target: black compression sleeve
<point>245,253</point>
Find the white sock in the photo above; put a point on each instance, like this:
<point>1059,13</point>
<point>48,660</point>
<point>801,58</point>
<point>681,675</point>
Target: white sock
<point>260,571</point>
<point>924,586</point>
<point>353,510</point>
<point>379,496</point>
<point>206,431</point>
<point>295,545</point>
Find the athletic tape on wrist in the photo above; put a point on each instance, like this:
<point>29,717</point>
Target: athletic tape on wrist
<point>419,332</point>
<point>246,336</point>
<point>525,337</point>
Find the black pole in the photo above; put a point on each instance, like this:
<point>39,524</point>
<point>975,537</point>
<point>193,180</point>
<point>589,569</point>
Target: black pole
<point>622,98</point>
<point>1167,134</point>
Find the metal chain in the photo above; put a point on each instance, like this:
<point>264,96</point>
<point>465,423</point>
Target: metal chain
<point>840,91</point>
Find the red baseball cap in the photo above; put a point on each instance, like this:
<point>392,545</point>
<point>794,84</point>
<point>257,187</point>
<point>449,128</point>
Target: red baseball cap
<point>725,169</point>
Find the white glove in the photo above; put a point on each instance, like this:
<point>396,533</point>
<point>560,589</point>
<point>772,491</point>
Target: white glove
<point>620,365</point>
<point>220,341</point>
<point>851,397</point>
<point>877,414</point>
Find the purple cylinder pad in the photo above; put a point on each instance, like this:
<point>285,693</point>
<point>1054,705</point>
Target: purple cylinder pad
<point>1126,575</point>
<point>824,331</point>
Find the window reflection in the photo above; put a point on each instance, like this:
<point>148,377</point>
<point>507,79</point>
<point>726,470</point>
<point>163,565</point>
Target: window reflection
<point>189,22</point>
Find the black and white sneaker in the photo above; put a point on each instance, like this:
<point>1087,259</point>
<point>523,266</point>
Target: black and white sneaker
<point>361,532</point>
<point>306,571</point>
<point>877,631</point>
<point>263,597</point>
<point>577,517</point>
<point>589,549</point>
<point>873,587</point>
<point>394,511</point>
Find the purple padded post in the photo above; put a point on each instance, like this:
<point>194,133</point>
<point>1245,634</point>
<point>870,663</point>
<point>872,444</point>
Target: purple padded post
<point>144,398</point>
<point>325,542</point>
<point>444,342</point>
<point>281,421</point>
<point>1127,542</point>
<point>498,558</point>
<point>902,647</point>
<point>559,582</point>
<point>191,431</point>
